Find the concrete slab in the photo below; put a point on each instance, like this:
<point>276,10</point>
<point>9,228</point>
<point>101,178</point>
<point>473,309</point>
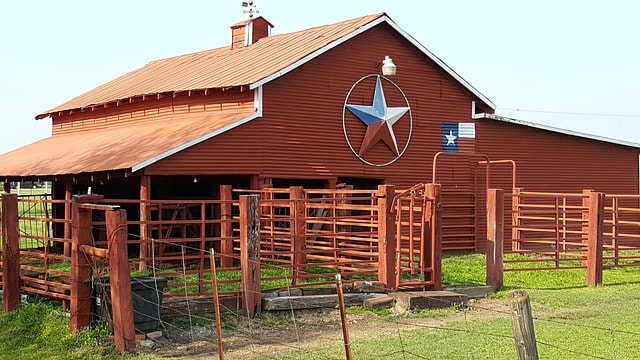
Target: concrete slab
<point>472,292</point>
<point>428,299</point>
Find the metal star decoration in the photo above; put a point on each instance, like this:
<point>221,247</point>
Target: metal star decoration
<point>379,120</point>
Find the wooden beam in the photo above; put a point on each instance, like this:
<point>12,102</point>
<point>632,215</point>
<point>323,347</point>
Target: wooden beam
<point>250,253</point>
<point>94,251</point>
<point>80,267</point>
<point>495,238</point>
<point>386,236</point>
<point>594,239</point>
<point>121,298</point>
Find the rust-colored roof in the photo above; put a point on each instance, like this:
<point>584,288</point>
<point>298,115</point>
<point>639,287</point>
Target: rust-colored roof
<point>128,147</point>
<point>254,65</point>
<point>216,68</point>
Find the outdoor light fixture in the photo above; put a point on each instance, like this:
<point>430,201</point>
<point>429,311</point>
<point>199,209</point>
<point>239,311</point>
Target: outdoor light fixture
<point>195,179</point>
<point>388,67</point>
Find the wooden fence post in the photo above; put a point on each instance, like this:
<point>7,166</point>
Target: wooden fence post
<point>226,226</point>
<point>522,322</point>
<point>80,316</point>
<point>495,237</point>
<point>386,236</point>
<point>145,216</point>
<point>10,252</point>
<point>120,280</point>
<point>594,238</point>
<point>298,214</point>
<point>434,191</point>
<point>250,254</point>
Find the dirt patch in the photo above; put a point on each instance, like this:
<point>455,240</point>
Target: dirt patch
<point>278,332</point>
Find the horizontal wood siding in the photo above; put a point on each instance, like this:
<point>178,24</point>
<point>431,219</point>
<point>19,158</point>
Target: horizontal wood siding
<point>166,107</point>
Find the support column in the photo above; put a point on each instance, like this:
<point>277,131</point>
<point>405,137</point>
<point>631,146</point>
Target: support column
<point>68,195</point>
<point>145,216</point>
<point>226,226</point>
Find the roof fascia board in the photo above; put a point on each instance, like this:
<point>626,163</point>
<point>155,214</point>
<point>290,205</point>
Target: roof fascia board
<point>191,143</point>
<point>359,31</point>
<point>560,130</point>
<point>441,63</point>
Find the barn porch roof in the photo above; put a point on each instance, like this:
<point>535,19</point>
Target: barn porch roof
<point>131,147</point>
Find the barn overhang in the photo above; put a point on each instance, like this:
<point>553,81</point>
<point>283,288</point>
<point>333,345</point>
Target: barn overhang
<point>130,147</point>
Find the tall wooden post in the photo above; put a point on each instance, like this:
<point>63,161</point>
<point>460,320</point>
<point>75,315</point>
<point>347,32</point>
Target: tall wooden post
<point>80,266</point>
<point>10,252</point>
<point>250,253</point>
<point>6,185</point>
<point>121,300</point>
<point>434,191</point>
<point>495,237</point>
<point>522,322</point>
<point>145,216</point>
<point>226,226</point>
<point>297,210</point>
<point>594,238</point>
<point>386,236</point>
<point>68,195</point>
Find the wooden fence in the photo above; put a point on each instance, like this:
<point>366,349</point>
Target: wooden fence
<point>588,230</point>
<point>304,238</point>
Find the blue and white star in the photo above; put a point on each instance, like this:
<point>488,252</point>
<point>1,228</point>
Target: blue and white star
<point>379,120</point>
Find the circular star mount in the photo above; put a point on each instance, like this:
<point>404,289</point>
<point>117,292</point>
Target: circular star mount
<point>379,120</point>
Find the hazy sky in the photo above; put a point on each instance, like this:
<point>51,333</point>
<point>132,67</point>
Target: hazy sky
<point>569,64</point>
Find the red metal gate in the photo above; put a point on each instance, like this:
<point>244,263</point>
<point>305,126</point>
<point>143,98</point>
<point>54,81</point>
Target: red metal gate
<point>418,236</point>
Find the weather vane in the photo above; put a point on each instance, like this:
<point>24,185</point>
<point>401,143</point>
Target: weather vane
<point>251,8</point>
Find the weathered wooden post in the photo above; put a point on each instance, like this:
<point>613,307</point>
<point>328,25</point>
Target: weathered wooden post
<point>386,236</point>
<point>120,279</point>
<point>145,216</point>
<point>297,209</point>
<point>522,322</point>
<point>10,252</point>
<point>226,226</point>
<point>434,191</point>
<point>80,316</point>
<point>495,237</point>
<point>594,238</point>
<point>250,254</point>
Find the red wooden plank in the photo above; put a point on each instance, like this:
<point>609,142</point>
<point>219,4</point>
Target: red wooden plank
<point>80,267</point>
<point>495,237</point>
<point>386,236</point>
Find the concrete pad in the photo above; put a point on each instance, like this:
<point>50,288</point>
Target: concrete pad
<point>428,299</point>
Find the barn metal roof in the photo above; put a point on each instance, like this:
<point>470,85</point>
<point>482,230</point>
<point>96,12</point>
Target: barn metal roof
<point>126,147</point>
<point>558,130</point>
<point>254,65</point>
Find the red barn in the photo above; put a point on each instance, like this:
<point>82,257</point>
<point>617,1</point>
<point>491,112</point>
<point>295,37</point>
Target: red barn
<point>310,108</point>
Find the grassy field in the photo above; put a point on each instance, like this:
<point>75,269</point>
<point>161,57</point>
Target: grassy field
<point>572,321</point>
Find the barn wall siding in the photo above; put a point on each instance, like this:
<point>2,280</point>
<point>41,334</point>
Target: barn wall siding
<point>153,109</point>
<point>301,134</point>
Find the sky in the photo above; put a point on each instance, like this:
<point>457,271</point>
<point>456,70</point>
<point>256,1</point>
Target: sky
<point>569,64</point>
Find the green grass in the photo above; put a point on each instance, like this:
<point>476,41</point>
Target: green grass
<point>571,320</point>
<point>36,331</point>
